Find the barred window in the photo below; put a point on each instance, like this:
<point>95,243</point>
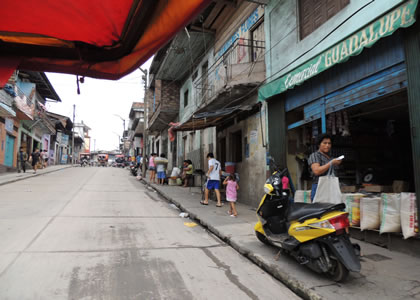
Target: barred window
<point>314,13</point>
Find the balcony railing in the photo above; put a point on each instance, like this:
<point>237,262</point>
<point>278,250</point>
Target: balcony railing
<point>234,66</point>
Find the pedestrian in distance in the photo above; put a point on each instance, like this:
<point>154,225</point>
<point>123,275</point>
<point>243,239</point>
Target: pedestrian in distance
<point>139,161</point>
<point>22,158</point>
<point>232,188</point>
<point>45,158</point>
<point>152,168</point>
<point>213,181</point>
<point>35,156</point>
<point>161,168</point>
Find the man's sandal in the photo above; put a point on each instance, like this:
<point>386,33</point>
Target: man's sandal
<point>204,203</point>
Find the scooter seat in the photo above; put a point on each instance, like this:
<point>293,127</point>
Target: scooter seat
<point>304,211</point>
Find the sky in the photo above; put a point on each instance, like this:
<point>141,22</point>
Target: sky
<point>98,104</point>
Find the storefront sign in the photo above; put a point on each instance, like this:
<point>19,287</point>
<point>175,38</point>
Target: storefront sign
<point>402,16</point>
<point>64,139</point>
<point>242,30</point>
<point>9,125</point>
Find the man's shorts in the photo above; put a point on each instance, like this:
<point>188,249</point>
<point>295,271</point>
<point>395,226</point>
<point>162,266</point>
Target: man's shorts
<point>161,175</point>
<point>213,184</point>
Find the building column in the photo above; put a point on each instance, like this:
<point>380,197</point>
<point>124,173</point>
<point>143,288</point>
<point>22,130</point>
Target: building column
<point>412,56</point>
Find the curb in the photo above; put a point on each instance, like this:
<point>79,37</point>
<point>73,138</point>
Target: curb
<point>33,175</point>
<point>289,281</point>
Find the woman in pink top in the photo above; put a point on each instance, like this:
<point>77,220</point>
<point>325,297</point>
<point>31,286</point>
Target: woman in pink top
<point>152,168</point>
<point>232,188</point>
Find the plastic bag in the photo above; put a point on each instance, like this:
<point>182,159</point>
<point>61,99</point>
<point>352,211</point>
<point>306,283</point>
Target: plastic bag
<point>303,196</point>
<point>352,202</point>
<point>328,189</point>
<point>390,213</point>
<point>370,213</point>
<point>409,218</point>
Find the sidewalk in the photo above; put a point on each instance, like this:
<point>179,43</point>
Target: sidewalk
<point>6,178</point>
<point>384,275</point>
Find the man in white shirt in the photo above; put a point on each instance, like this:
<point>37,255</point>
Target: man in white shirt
<point>213,182</point>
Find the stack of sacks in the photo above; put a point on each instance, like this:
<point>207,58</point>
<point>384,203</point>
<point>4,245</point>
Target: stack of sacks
<point>303,196</point>
<point>390,213</point>
<point>370,216</point>
<point>409,218</point>
<point>352,202</point>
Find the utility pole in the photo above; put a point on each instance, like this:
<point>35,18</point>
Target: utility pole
<point>144,77</point>
<point>72,136</point>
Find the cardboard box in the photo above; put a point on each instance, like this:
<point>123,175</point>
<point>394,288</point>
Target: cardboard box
<point>349,189</point>
<point>399,186</point>
<point>378,188</point>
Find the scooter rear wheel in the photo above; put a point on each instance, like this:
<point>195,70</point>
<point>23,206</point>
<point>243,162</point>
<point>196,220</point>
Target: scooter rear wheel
<point>338,272</point>
<point>262,238</point>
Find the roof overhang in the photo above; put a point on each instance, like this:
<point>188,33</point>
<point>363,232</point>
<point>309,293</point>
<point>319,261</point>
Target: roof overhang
<point>6,111</point>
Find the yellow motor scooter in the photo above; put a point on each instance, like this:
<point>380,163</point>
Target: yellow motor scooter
<point>315,234</point>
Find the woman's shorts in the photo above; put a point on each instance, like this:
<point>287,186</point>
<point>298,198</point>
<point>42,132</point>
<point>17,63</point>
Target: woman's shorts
<point>161,175</point>
<point>152,168</point>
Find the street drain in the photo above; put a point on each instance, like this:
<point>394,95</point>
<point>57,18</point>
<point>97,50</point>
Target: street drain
<point>376,257</point>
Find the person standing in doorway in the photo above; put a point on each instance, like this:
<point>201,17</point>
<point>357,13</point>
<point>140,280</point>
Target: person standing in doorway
<point>213,182</point>
<point>35,159</point>
<point>320,162</point>
<point>232,188</point>
<point>22,158</point>
<point>188,172</point>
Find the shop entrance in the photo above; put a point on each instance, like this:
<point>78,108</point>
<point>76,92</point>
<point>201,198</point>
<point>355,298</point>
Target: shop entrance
<point>380,142</point>
<point>374,137</point>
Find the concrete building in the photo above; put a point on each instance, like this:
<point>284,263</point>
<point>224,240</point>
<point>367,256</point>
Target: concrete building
<point>23,119</point>
<point>203,91</point>
<point>350,69</point>
<point>136,128</point>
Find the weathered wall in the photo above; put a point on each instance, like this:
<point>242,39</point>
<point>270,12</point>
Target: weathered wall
<point>252,168</point>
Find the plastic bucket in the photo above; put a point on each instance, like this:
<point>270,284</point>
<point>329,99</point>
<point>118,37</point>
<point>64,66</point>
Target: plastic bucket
<point>230,167</point>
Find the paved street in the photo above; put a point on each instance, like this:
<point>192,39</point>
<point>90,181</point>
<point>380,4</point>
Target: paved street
<point>97,233</point>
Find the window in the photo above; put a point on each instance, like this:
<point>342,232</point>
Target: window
<point>314,13</point>
<point>236,143</point>
<point>192,140</point>
<point>186,98</point>
<point>258,42</point>
<point>194,75</point>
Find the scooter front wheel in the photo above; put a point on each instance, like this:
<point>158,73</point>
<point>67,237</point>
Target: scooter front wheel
<point>262,238</point>
<point>338,271</point>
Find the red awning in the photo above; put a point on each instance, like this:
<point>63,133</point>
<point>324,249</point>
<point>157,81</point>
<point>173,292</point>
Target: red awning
<point>97,38</point>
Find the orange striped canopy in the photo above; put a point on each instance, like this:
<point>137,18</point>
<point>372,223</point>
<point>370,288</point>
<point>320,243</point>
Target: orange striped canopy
<point>96,38</point>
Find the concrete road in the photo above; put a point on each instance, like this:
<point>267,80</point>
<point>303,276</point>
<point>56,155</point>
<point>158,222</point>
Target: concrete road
<point>97,233</point>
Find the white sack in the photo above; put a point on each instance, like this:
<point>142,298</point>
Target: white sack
<point>390,213</point>
<point>409,220</point>
<point>352,201</point>
<point>370,213</point>
<point>303,196</point>
<point>328,190</point>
